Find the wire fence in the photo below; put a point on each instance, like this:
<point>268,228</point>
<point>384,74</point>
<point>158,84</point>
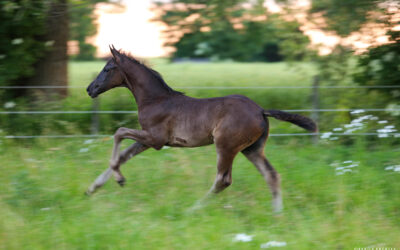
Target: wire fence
<point>96,112</point>
<point>135,111</point>
<point>218,87</point>
<point>271,135</point>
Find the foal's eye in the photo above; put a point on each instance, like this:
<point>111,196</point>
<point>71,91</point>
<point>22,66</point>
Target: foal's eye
<point>106,70</point>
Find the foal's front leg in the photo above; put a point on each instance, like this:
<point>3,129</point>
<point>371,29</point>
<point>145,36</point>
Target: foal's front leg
<point>128,153</point>
<point>141,136</point>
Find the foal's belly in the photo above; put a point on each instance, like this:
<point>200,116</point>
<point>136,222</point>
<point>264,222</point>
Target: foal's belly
<point>190,140</point>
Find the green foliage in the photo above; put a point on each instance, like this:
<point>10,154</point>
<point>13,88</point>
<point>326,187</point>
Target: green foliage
<point>21,25</point>
<point>345,16</point>
<point>380,66</point>
<point>227,30</point>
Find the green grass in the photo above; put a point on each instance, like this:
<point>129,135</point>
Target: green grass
<point>210,74</point>
<point>42,205</point>
<point>181,75</point>
<point>42,182</point>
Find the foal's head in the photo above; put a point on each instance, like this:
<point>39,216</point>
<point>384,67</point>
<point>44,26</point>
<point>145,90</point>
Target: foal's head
<point>110,77</point>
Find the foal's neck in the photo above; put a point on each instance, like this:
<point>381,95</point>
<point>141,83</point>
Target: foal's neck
<point>145,87</point>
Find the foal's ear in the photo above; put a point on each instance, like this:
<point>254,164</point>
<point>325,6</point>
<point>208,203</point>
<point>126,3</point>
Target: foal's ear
<point>116,54</point>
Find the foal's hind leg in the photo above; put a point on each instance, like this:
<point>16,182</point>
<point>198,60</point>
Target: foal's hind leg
<point>125,155</point>
<point>224,170</point>
<point>224,174</point>
<point>256,156</point>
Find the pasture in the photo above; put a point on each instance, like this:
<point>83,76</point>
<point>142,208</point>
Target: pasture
<point>42,182</point>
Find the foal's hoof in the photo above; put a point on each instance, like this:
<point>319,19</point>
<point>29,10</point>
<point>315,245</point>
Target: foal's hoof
<point>121,182</point>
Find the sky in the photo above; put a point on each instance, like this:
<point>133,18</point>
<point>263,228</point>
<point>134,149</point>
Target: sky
<point>129,29</point>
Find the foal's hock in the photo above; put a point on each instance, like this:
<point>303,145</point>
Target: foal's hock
<point>233,123</point>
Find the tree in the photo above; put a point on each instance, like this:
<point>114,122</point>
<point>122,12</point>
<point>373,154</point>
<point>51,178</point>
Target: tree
<point>236,30</point>
<point>82,26</point>
<point>33,48</point>
<point>34,44</point>
<point>345,17</point>
<point>380,66</point>
<point>21,25</point>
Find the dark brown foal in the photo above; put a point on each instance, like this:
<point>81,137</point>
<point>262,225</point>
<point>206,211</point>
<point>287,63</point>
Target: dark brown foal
<point>167,117</point>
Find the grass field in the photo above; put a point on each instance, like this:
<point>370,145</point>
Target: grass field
<point>42,182</point>
<point>42,205</point>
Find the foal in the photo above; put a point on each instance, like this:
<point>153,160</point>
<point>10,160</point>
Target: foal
<point>233,123</point>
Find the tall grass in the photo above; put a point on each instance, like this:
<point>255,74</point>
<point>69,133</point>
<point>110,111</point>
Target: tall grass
<point>42,205</point>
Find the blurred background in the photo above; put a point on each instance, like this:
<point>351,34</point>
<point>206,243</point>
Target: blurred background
<point>337,61</point>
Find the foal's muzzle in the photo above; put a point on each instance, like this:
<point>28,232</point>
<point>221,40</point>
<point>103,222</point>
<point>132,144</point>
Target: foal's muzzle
<point>93,90</point>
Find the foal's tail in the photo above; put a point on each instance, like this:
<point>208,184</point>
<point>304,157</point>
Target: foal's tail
<point>299,120</point>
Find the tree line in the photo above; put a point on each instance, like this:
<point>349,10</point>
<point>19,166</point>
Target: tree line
<point>33,48</point>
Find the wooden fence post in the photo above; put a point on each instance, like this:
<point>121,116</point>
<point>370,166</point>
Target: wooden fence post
<point>315,104</point>
<point>94,129</point>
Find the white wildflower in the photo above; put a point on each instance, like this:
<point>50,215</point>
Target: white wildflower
<point>17,41</point>
<point>357,111</point>
<point>83,150</point>
<point>326,135</point>
<point>49,43</point>
<point>273,244</point>
<point>9,105</point>
<point>345,166</point>
<point>2,56</point>
<point>338,129</point>
<point>395,168</point>
<point>382,122</point>
<point>386,130</point>
<point>243,238</point>
<point>89,141</point>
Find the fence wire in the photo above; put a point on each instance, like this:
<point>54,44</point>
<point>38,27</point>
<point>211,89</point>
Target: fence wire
<point>135,111</point>
<point>271,135</point>
<point>220,87</point>
<point>203,88</point>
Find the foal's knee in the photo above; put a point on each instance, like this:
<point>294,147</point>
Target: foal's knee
<point>119,133</point>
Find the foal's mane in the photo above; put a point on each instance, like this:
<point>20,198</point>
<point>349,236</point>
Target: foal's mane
<point>154,73</point>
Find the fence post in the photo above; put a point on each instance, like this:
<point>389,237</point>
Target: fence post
<point>315,104</point>
<point>94,129</point>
